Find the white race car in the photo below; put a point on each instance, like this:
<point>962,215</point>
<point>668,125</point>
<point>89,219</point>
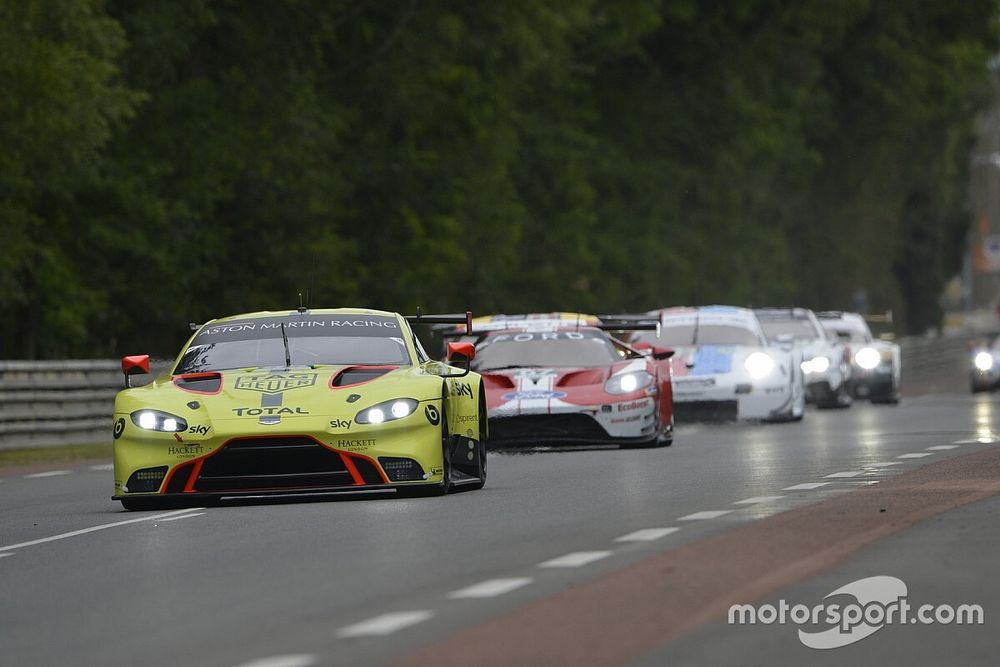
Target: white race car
<point>875,363</point>
<point>723,367</point>
<point>826,360</point>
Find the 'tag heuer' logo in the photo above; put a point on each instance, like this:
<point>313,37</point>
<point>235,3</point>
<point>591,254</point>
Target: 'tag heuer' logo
<point>275,384</point>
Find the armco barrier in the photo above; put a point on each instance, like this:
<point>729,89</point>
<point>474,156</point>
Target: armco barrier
<point>46,403</point>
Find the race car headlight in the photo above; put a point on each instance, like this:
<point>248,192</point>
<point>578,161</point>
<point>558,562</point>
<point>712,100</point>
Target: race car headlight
<point>626,383</point>
<point>815,365</point>
<point>983,361</point>
<point>868,358</point>
<point>759,365</point>
<point>155,420</point>
<point>387,411</point>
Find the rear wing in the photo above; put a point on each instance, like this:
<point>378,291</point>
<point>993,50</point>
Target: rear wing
<point>629,323</point>
<point>875,318</point>
<point>454,319</point>
<point>602,322</point>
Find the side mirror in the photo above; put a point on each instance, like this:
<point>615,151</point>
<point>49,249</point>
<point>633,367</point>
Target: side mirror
<point>461,354</point>
<point>134,365</point>
<point>660,353</point>
<point>655,351</point>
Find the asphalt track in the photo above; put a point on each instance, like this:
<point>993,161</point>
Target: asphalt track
<point>566,557</point>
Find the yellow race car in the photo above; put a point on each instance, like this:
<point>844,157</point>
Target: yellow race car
<point>307,401</point>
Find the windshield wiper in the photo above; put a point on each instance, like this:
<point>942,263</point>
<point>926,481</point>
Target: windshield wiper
<point>694,334</point>
<point>288,354</point>
<point>507,368</point>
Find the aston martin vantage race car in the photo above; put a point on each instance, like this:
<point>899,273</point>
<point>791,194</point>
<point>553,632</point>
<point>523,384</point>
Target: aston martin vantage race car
<point>299,402</point>
<point>875,364</point>
<point>562,382</point>
<point>826,360</point>
<point>723,368</point>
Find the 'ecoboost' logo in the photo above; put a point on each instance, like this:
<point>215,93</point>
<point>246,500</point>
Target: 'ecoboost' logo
<point>879,601</point>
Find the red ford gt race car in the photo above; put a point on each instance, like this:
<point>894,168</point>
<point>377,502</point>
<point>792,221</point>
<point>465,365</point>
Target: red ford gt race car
<point>559,382</point>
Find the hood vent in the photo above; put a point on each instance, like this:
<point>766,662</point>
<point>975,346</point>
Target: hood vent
<point>359,375</point>
<point>199,383</point>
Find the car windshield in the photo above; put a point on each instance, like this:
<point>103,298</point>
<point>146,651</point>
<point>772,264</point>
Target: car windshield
<point>846,333</point>
<point>548,349</point>
<point>672,335</point>
<point>361,340</point>
<point>799,329</point>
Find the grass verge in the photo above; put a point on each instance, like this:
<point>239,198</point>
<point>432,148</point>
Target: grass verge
<point>60,454</point>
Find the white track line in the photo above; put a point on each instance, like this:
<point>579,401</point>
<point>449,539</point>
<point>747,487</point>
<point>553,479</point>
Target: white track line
<point>850,473</point>
<point>295,660</point>
<point>50,473</point>
<point>805,486</point>
<point>942,448</point>
<point>182,516</point>
<point>916,455</point>
<point>883,464</point>
<point>103,466</point>
<point>646,535</point>
<point>576,559</point>
<point>707,514</point>
<point>490,588</point>
<point>757,499</point>
<point>385,624</point>
<point>84,531</point>
<point>6,554</point>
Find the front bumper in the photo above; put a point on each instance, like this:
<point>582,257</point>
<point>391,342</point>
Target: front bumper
<point>308,455</point>
<point>715,398</point>
<point>633,420</point>
<point>561,429</point>
<point>879,382</point>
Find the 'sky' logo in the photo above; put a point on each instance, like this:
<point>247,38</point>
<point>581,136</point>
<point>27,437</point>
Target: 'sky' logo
<point>275,384</point>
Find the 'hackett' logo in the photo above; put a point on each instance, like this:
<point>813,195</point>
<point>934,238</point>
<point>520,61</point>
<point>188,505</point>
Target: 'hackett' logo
<point>275,384</point>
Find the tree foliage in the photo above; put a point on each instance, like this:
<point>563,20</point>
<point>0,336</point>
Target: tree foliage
<point>171,161</point>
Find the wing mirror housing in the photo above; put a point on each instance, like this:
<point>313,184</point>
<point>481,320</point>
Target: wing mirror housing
<point>137,364</point>
<point>654,351</point>
<point>461,354</point>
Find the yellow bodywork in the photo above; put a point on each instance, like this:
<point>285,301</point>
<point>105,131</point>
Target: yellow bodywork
<point>301,402</point>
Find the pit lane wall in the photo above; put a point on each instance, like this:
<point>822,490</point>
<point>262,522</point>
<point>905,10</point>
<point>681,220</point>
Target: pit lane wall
<point>70,401</point>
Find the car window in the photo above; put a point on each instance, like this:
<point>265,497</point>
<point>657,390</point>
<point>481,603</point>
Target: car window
<point>548,349</point>
<point>706,334</point>
<point>312,340</point>
<point>799,329</point>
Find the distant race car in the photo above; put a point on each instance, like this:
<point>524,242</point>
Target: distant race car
<point>299,402</point>
<point>723,367</point>
<point>875,364</point>
<point>560,381</point>
<point>984,373</point>
<point>826,360</point>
